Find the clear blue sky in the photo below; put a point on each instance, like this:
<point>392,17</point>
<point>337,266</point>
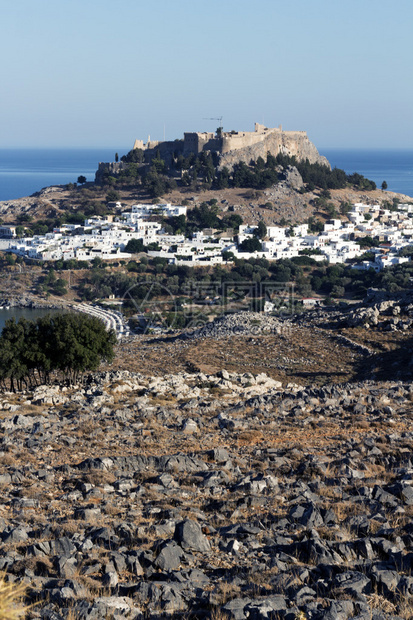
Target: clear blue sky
<point>99,73</point>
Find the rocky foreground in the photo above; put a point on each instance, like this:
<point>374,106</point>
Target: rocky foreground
<point>209,496</point>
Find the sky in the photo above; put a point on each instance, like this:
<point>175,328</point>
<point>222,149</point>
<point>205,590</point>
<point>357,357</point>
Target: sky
<point>94,73</point>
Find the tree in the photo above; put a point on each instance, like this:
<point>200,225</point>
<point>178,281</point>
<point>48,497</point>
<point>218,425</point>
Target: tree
<point>314,225</point>
<point>134,246</point>
<point>67,343</point>
<point>228,256</point>
<point>155,184</point>
<point>261,230</point>
<point>60,287</point>
<point>10,259</point>
<point>116,157</point>
<point>20,231</point>
<point>112,196</point>
<point>345,207</point>
<point>330,209</point>
<point>80,343</point>
<point>232,220</point>
<point>81,180</point>
<point>368,242</point>
<point>13,345</point>
<point>384,185</point>
<point>250,245</point>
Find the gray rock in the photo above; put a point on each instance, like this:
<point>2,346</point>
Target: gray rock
<point>62,547</point>
<point>353,582</point>
<point>16,535</point>
<point>236,608</point>
<point>189,535</point>
<point>266,607</point>
<point>169,557</point>
<point>110,579</point>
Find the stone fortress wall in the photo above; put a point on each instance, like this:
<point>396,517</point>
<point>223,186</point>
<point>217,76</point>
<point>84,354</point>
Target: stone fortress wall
<point>249,146</point>
<point>233,146</point>
<point>235,140</point>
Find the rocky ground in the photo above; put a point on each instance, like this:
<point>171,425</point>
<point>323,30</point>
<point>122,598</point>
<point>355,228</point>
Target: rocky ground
<point>253,468</point>
<point>225,495</point>
<point>286,201</point>
<point>369,340</point>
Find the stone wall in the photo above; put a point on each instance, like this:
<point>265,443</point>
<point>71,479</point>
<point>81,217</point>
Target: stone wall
<point>196,142</point>
<point>233,146</point>
<point>235,140</point>
<point>292,143</point>
<point>111,168</point>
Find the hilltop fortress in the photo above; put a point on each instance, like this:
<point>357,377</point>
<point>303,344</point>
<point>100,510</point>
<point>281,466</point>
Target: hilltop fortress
<point>231,147</point>
<point>235,146</point>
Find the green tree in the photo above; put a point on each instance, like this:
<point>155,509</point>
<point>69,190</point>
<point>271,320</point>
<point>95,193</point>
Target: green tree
<point>13,346</point>
<point>252,244</point>
<point>345,207</point>
<point>112,196</point>
<point>80,343</point>
<point>60,287</point>
<point>81,179</point>
<point>20,231</point>
<point>134,246</point>
<point>384,185</point>
<point>261,230</point>
<point>228,256</point>
<point>367,242</point>
<point>67,343</point>
<point>155,184</point>
<point>330,209</point>
<point>10,259</point>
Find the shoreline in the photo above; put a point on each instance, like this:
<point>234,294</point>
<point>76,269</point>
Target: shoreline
<point>31,303</point>
<point>111,318</point>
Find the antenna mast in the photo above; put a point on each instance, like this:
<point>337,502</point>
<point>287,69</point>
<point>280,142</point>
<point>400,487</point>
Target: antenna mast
<point>216,118</point>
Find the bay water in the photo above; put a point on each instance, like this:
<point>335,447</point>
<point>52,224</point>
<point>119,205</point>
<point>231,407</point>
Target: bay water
<point>25,171</point>
<point>31,314</point>
<point>390,165</point>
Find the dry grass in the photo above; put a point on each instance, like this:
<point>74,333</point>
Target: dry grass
<point>8,460</point>
<point>226,592</point>
<point>11,597</point>
<point>345,509</point>
<point>377,601</point>
<point>98,477</point>
<point>219,614</point>
<point>250,437</point>
<point>405,609</point>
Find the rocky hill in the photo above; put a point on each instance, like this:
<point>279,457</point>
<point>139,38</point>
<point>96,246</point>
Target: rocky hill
<point>208,496</point>
<point>291,143</point>
<point>175,491</point>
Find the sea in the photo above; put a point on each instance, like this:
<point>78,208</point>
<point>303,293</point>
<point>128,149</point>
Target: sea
<point>31,314</point>
<point>26,171</point>
<point>390,165</point>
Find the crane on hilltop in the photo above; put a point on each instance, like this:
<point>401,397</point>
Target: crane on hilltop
<point>216,118</point>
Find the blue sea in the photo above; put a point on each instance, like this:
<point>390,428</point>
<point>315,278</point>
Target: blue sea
<point>393,166</point>
<point>25,171</point>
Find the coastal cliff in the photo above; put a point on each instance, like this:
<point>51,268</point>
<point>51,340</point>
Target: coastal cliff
<point>231,147</point>
<point>291,143</point>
